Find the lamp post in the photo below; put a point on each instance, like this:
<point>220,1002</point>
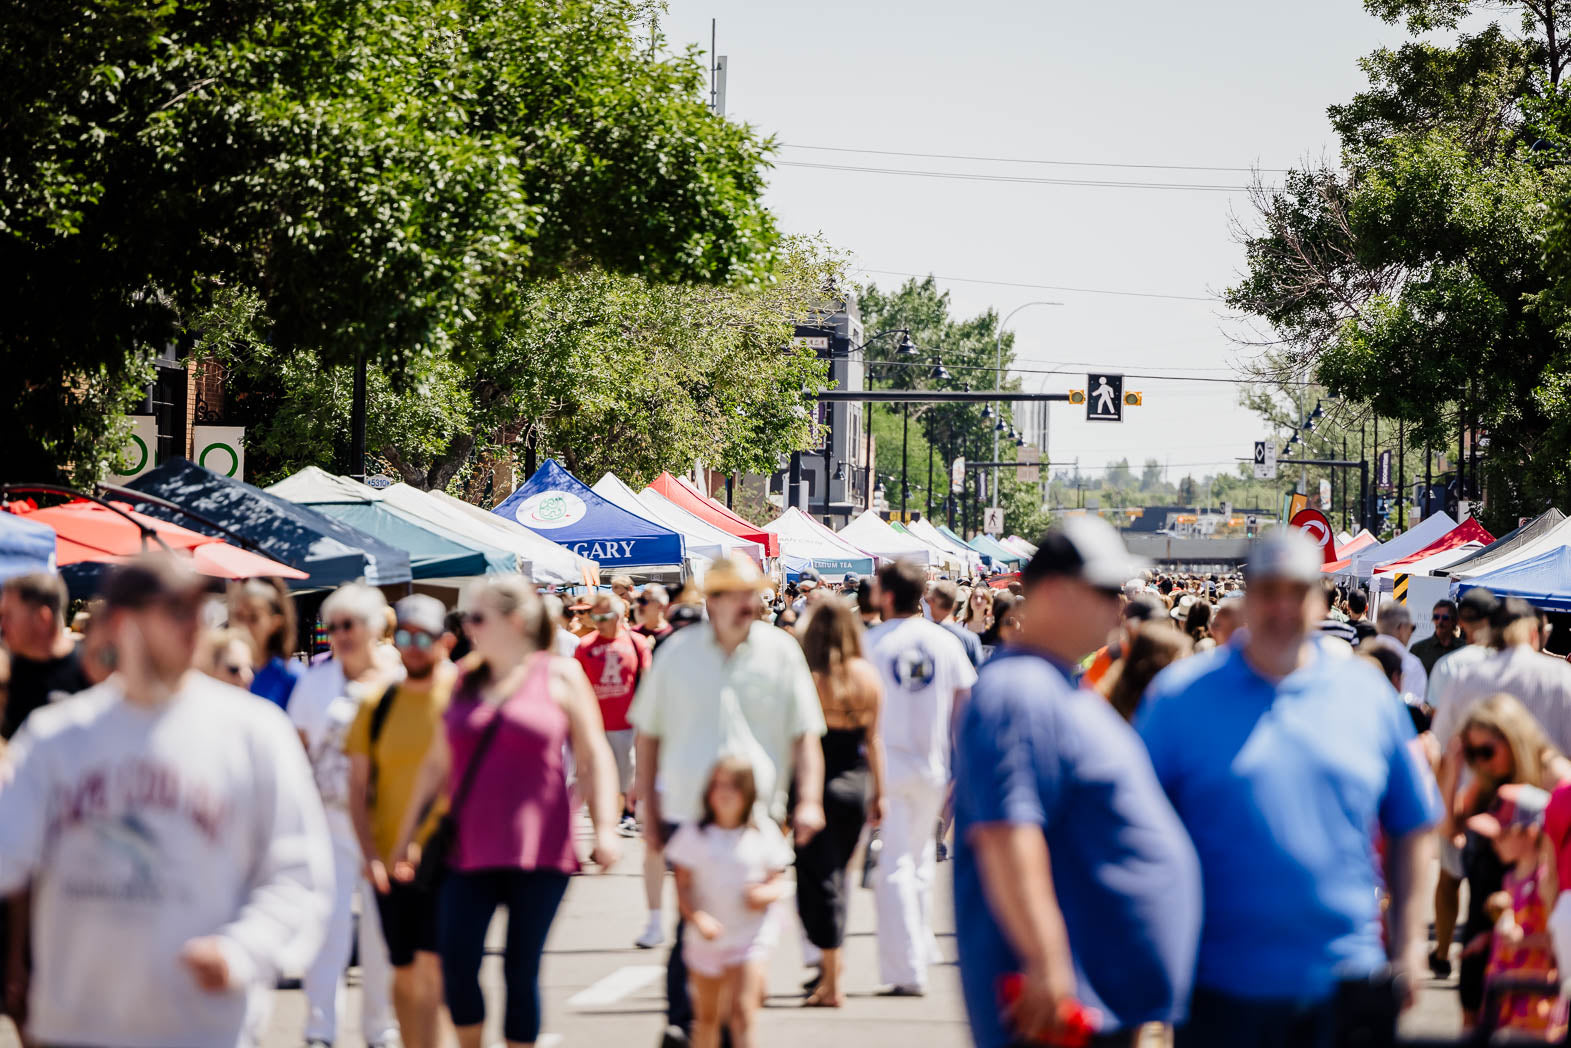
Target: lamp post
<point>907,348</point>
<point>999,379</point>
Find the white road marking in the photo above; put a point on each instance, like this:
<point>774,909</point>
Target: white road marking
<point>616,986</point>
<point>549,1040</point>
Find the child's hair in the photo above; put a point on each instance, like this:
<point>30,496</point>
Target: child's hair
<point>740,772</point>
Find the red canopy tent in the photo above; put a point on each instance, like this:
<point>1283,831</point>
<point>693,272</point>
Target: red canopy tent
<point>1470,530</point>
<point>89,533</point>
<point>1344,554</point>
<point>695,502</point>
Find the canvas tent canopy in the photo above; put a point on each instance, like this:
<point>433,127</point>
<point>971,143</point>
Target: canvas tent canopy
<point>872,533</point>
<point>700,539</point>
<point>329,552</point>
<point>1509,546</point>
<point>804,542</point>
<point>1002,555</point>
<point>542,560</point>
<point>924,530</point>
<point>1544,581</point>
<point>1410,541</point>
<point>684,494</point>
<point>433,554</point>
<point>558,505</point>
<point>948,561</point>
<point>672,515</point>
<point>25,546</point>
<point>1468,534</point>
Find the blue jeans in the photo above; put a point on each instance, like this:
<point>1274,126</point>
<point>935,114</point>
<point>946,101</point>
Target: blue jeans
<point>468,902</point>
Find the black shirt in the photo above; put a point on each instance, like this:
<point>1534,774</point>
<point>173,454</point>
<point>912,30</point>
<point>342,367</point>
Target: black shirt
<point>36,683</point>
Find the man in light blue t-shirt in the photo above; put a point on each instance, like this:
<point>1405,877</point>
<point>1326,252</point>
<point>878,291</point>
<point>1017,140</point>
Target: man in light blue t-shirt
<point>1071,870</point>
<point>1284,760</point>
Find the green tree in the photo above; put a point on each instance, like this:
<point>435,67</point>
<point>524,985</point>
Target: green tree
<point>604,371</point>
<point>383,174</point>
<point>1420,281</point>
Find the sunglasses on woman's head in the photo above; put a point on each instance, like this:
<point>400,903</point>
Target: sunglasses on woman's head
<point>1475,754</point>
<point>605,616</point>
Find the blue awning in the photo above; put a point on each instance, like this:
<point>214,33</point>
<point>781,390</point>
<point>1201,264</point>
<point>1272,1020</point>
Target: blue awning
<point>1543,581</point>
<point>327,550</point>
<point>25,545</point>
<point>562,508</point>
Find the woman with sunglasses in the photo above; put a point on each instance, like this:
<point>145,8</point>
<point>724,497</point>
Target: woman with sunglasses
<point>513,844</point>
<point>323,706</point>
<point>1501,743</point>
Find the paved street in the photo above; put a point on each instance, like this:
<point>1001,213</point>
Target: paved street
<point>600,990</point>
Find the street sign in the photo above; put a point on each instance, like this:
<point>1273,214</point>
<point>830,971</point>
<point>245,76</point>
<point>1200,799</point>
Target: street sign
<point>1105,398</point>
<point>957,475</point>
<point>993,520</point>
<point>1031,474</point>
<point>1265,459</point>
<point>1383,469</point>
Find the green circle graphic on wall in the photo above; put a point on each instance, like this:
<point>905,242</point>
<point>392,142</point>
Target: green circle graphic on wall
<point>141,463</point>
<point>234,458</point>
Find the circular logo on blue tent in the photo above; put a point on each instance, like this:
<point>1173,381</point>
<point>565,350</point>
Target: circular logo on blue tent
<point>551,509</point>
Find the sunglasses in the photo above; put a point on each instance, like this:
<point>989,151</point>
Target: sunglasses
<point>413,639</point>
<point>605,616</point>
<point>1476,754</point>
<point>342,626</point>
<point>644,602</point>
<point>474,618</point>
<point>1442,617</point>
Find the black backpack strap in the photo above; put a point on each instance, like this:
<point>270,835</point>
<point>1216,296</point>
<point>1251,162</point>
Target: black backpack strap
<point>383,708</point>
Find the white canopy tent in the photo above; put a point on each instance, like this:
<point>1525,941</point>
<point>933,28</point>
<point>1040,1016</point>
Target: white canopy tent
<point>1414,539</point>
<point>1554,538</point>
<point>699,547</point>
<point>539,558</point>
<point>702,537</point>
<point>924,530</point>
<point>871,533</point>
<point>806,542</point>
<point>1019,545</point>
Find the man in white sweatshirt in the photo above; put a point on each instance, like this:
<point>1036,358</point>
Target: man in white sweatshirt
<point>173,834</point>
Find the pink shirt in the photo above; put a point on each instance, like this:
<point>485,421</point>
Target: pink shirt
<point>517,814</point>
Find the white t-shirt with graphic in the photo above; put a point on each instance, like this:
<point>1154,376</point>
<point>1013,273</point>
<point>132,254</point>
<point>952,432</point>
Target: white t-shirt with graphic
<point>322,707</point>
<point>922,666</point>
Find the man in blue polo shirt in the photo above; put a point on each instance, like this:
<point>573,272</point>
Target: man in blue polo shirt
<point>1283,760</point>
<point>1071,869</point>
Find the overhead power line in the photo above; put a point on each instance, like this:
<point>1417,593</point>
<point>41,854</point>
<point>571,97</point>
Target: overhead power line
<point>1112,369</point>
<point>961,176</point>
<point>1045,163</point>
<point>1045,287</point>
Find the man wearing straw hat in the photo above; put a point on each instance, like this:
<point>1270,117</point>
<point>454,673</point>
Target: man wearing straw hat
<point>733,685</point>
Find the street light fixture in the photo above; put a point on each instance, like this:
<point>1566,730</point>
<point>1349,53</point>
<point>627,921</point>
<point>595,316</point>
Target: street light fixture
<point>987,412</point>
<point>907,348</point>
<point>939,372</point>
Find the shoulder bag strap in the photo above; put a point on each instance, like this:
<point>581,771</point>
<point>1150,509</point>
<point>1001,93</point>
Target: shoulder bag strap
<point>478,756</point>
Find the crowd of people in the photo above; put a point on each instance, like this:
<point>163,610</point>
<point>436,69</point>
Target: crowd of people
<point>1197,806</point>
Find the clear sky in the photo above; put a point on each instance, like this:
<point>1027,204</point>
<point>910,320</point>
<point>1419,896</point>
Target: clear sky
<point>1218,83</point>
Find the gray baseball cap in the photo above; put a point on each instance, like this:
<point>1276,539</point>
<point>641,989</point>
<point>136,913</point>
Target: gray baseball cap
<point>1285,554</point>
<point>422,612</point>
<point>1085,548</point>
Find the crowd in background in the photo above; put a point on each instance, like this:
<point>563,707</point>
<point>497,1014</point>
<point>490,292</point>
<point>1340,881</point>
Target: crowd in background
<point>1175,802</point>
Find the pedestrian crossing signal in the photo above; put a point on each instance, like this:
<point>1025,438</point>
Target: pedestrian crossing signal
<point>1134,400</point>
<point>1077,396</point>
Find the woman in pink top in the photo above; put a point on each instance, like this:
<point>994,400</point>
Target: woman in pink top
<point>514,843</point>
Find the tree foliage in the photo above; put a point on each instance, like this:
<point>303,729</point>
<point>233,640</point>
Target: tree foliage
<point>1424,278</point>
<point>384,174</point>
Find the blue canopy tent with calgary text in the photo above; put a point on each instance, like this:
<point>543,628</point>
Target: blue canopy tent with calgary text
<point>558,506</point>
<point>1543,581</point>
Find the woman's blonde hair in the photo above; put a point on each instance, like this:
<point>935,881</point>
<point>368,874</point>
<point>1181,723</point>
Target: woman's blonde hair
<point>1531,751</point>
<point>514,594</point>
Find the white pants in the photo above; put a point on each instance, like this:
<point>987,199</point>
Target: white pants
<point>903,881</point>
<point>323,979</point>
<point>1560,936</point>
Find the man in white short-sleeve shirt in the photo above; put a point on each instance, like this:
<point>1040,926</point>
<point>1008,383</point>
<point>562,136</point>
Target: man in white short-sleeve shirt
<point>926,676</point>
<point>732,685</point>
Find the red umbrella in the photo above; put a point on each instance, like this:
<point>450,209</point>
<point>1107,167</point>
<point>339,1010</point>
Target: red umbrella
<point>90,533</point>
